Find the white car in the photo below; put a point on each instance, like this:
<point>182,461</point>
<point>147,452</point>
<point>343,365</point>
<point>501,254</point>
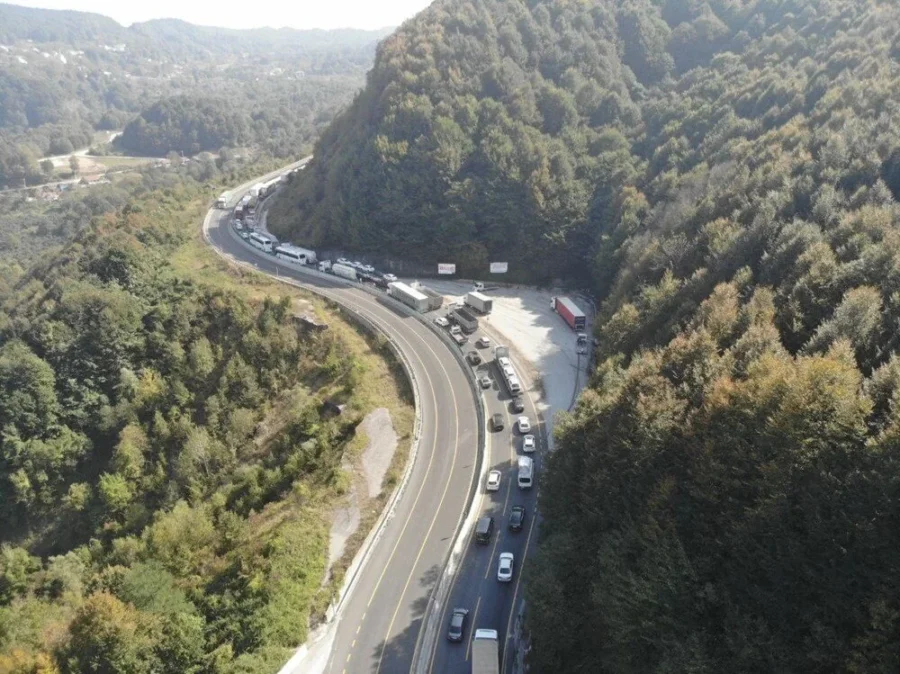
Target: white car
<point>441,321</point>
<point>493,481</point>
<point>528,445</point>
<point>524,424</point>
<point>343,260</point>
<point>390,278</point>
<point>483,343</point>
<point>505,567</point>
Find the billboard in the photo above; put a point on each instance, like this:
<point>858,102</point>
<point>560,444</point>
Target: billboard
<point>499,267</point>
<point>446,268</point>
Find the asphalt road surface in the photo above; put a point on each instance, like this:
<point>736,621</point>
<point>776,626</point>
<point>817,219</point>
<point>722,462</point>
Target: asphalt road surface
<point>492,604</point>
<point>379,622</point>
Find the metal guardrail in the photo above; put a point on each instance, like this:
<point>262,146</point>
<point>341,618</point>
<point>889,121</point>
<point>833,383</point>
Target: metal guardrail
<point>422,652</point>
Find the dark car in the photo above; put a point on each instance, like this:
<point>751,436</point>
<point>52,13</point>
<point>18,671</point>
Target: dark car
<point>516,518</point>
<point>497,422</point>
<point>457,624</point>
<point>518,405</point>
<point>473,358</point>
<point>483,530</point>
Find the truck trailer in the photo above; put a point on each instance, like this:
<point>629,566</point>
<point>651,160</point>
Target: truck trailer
<point>435,299</point>
<point>570,312</point>
<point>485,652</point>
<point>465,320</point>
<point>479,302</point>
<point>344,271</point>
<point>408,295</point>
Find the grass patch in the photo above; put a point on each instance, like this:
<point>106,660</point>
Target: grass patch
<point>118,161</point>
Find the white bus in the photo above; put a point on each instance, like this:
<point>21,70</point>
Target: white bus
<point>295,255</point>
<point>262,242</point>
<point>504,364</point>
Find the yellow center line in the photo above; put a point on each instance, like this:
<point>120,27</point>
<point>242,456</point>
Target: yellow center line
<point>479,507</point>
<point>437,510</point>
<point>472,628</point>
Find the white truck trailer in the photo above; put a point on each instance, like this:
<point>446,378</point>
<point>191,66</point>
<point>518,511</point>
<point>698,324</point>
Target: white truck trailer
<point>479,302</point>
<point>485,652</point>
<point>409,296</point>
<point>435,299</point>
<point>344,271</point>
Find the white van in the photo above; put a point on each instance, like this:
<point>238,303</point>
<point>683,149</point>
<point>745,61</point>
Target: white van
<point>526,472</point>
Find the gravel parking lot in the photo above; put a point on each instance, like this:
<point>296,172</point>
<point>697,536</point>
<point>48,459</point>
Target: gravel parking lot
<point>539,339</point>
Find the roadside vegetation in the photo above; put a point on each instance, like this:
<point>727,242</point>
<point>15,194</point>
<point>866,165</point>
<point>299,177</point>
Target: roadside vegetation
<point>725,177</point>
<point>166,467</point>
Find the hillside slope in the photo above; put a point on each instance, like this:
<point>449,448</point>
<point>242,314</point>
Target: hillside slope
<point>64,75</point>
<point>725,174</point>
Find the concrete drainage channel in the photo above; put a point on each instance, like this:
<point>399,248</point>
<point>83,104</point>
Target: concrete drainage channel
<point>431,621</point>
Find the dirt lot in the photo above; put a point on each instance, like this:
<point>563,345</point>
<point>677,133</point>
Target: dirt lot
<point>522,317</point>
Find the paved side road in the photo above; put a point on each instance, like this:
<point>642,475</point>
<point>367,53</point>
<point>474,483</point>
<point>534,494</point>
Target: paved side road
<point>377,625</point>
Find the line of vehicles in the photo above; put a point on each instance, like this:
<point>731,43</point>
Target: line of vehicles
<point>485,642</point>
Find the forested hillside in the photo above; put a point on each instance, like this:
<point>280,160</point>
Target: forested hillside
<point>725,175</point>
<point>65,74</point>
<point>165,467</point>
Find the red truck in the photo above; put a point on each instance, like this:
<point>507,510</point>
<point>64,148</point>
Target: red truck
<point>570,313</point>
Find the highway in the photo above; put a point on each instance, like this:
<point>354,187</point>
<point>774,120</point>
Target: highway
<point>491,604</point>
<point>379,620</point>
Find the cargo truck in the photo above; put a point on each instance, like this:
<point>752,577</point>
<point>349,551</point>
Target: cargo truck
<point>570,313</point>
<point>222,201</point>
<point>435,299</point>
<point>408,295</point>
<point>344,271</point>
<point>464,320</point>
<point>485,652</point>
<point>479,302</point>
<point>325,265</point>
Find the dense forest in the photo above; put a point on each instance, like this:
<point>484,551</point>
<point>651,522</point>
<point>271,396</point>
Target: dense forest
<point>724,175</point>
<point>164,457</point>
<point>64,75</point>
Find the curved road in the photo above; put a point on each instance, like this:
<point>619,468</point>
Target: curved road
<point>492,604</point>
<point>379,620</point>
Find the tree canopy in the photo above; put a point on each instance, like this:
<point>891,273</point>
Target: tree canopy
<point>724,176</point>
<point>163,459</point>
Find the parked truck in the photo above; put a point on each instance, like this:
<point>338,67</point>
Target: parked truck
<point>464,319</point>
<point>479,302</point>
<point>570,312</point>
<point>344,271</point>
<point>408,295</point>
<point>485,652</point>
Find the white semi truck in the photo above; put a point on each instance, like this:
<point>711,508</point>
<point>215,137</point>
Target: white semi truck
<point>479,302</point>
<point>485,652</point>
<point>344,271</point>
<point>409,296</point>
